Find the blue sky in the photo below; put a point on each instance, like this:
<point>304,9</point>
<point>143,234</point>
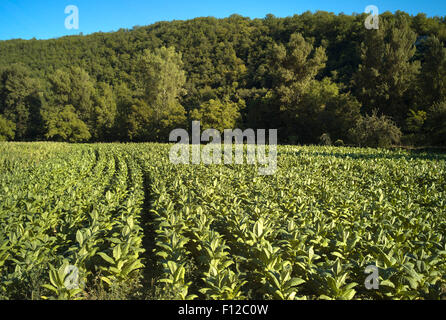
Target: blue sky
<point>39,19</point>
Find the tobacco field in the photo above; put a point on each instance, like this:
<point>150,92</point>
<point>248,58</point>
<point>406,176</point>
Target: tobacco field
<point>135,226</point>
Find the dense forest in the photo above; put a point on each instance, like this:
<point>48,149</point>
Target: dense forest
<point>316,77</point>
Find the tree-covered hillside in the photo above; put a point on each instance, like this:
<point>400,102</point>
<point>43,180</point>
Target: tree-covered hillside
<point>311,76</point>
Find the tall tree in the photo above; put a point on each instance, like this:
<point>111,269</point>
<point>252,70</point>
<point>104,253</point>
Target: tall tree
<point>93,103</point>
<point>294,68</point>
<point>387,72</point>
<point>104,113</point>
<point>71,91</point>
<point>75,87</point>
<point>20,100</point>
<point>433,73</point>
<point>161,84</point>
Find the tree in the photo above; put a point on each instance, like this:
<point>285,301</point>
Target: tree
<point>230,70</point>
<point>323,109</point>
<point>94,103</point>
<point>66,126</point>
<point>139,122</point>
<point>105,113</point>
<point>386,74</point>
<point>294,68</point>
<point>217,114</point>
<point>71,90</point>
<point>375,131</point>
<point>325,139</point>
<point>308,113</point>
<point>7,129</point>
<point>433,73</point>
<point>74,87</point>
<point>124,102</point>
<point>415,128</point>
<point>161,84</point>
<point>20,100</point>
<point>435,124</point>
<point>340,114</point>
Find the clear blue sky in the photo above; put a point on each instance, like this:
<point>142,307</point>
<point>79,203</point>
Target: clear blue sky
<point>27,19</point>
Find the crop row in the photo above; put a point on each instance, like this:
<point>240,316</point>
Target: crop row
<point>309,231</point>
<point>79,209</point>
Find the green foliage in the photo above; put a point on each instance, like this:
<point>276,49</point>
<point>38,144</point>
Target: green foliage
<point>66,126</point>
<point>20,101</point>
<point>161,83</point>
<point>375,131</point>
<point>219,115</point>
<point>415,128</point>
<point>415,120</point>
<point>294,68</point>
<point>58,280</point>
<point>304,75</point>
<point>139,121</point>
<point>433,72</point>
<point>340,114</point>
<point>219,231</point>
<point>436,124</point>
<point>73,87</point>
<point>387,73</point>
<point>311,238</point>
<point>105,113</point>
<point>325,139</point>
<point>324,110</point>
<point>92,202</point>
<point>7,129</point>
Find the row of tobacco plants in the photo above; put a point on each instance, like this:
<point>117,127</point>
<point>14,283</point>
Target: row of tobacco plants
<point>107,215</point>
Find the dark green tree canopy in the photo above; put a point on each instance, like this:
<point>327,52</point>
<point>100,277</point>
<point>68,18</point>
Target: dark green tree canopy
<point>305,75</point>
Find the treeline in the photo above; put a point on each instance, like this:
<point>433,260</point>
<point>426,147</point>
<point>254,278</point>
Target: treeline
<point>317,78</point>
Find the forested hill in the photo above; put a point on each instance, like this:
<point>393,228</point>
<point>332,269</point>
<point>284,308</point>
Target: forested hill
<point>310,76</point>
